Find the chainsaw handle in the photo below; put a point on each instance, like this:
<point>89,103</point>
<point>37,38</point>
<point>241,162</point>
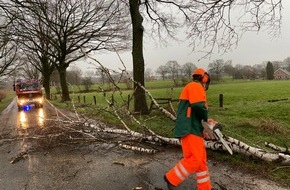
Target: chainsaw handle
<point>218,126</point>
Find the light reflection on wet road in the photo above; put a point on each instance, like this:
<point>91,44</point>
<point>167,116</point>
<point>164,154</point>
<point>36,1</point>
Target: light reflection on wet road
<point>31,118</point>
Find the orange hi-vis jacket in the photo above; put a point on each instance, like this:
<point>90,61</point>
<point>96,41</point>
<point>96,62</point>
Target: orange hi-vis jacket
<point>192,109</point>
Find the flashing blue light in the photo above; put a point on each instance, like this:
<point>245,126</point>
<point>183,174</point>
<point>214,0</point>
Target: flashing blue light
<point>26,108</point>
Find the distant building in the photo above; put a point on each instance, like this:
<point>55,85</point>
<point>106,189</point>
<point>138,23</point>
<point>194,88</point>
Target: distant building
<point>281,74</point>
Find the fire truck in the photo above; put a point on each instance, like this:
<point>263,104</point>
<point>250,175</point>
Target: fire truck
<point>28,92</point>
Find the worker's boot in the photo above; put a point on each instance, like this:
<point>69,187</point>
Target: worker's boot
<point>169,185</point>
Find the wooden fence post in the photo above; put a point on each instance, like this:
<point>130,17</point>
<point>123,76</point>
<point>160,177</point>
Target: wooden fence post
<point>95,100</point>
<point>221,100</point>
<point>128,102</point>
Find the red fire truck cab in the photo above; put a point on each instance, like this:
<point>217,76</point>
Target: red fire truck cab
<point>28,92</point>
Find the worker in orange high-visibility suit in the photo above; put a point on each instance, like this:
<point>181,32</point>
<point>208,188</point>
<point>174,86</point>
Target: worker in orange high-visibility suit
<point>192,111</point>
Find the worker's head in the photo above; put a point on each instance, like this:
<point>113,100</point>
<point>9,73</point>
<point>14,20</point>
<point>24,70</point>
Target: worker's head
<point>202,76</point>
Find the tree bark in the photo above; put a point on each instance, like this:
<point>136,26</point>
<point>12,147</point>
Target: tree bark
<point>46,81</point>
<point>140,104</point>
<point>63,84</point>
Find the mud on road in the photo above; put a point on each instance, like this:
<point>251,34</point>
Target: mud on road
<point>99,165</point>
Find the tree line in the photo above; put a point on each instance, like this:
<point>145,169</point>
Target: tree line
<point>178,73</point>
<point>218,69</point>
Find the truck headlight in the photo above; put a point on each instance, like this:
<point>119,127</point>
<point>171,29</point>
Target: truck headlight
<point>21,101</point>
<point>40,100</point>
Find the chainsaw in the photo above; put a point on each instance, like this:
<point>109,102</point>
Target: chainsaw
<point>215,127</point>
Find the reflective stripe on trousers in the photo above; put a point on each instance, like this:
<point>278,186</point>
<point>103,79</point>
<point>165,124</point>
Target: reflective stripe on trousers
<point>181,172</point>
<point>202,177</point>
<point>194,161</point>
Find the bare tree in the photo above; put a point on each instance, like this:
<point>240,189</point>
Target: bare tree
<point>249,72</point>
<point>188,69</point>
<point>87,82</point>
<point>229,69</point>
<point>8,54</point>
<point>216,68</point>
<point>174,69</point>
<point>148,74</point>
<point>276,64</point>
<point>8,50</point>
<point>35,48</point>
<point>31,38</point>
<point>209,25</point>
<point>213,23</point>
<point>162,70</point>
<point>238,71</point>
<point>260,71</point>
<point>76,28</point>
<point>74,75</point>
<point>29,71</point>
<point>101,73</point>
<point>286,63</point>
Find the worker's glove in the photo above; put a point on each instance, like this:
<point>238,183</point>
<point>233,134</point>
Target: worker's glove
<point>208,130</point>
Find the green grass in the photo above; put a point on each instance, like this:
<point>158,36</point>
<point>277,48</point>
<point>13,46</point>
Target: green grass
<point>247,114</point>
<point>9,95</point>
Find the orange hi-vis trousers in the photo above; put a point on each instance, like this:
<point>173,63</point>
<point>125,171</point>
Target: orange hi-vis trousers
<point>194,161</point>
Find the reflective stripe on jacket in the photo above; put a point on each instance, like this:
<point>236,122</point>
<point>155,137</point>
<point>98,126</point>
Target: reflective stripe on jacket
<point>192,109</point>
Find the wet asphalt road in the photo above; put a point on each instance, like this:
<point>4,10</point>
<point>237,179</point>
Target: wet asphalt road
<point>94,166</point>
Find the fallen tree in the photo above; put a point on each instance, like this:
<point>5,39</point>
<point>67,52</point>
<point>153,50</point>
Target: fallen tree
<point>280,155</point>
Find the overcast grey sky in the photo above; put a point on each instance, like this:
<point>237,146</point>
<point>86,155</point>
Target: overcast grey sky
<point>253,48</point>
